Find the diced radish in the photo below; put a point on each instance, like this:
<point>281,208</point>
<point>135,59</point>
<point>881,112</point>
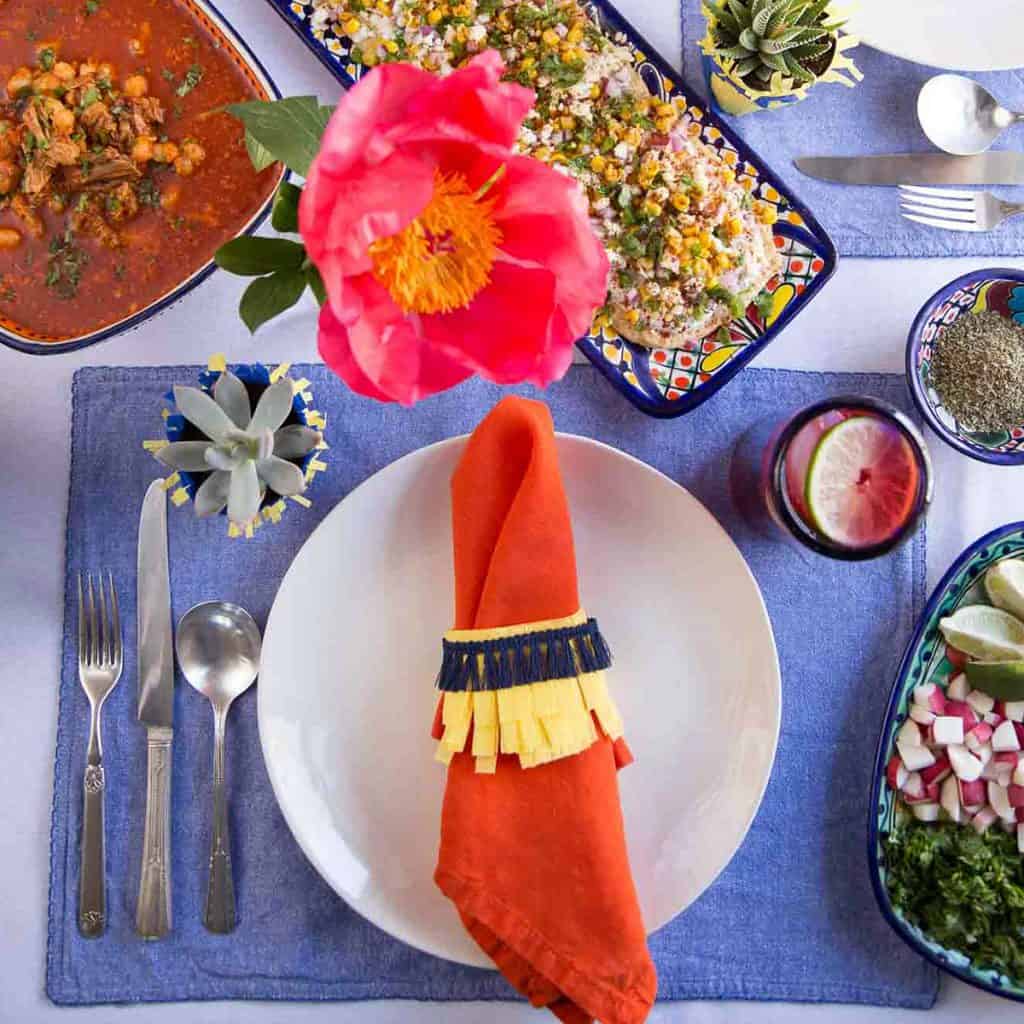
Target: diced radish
<point>999,798</point>
<point>929,812</point>
<point>895,772</point>
<point>917,757</point>
<point>992,718</point>
<point>964,711</point>
<point>1020,813</point>
<point>965,764</point>
<point>972,793</point>
<point>936,772</point>
<point>997,771</point>
<point>1005,737</point>
<point>972,809</point>
<point>958,687</point>
<point>921,715</point>
<point>1016,795</point>
<point>909,734</point>
<point>1010,757</point>
<point>930,697</point>
<point>1018,773</point>
<point>931,791</point>
<point>1018,728</point>
<point>984,753</point>
<point>1020,838</point>
<point>981,733</point>
<point>983,820</point>
<point>913,786</point>
<point>948,729</point>
<point>981,702</point>
<point>1014,710</point>
<point>949,799</point>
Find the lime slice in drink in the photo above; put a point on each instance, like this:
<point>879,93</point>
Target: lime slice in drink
<point>1004,584</point>
<point>1003,680</point>
<point>985,633</point>
<point>862,482</point>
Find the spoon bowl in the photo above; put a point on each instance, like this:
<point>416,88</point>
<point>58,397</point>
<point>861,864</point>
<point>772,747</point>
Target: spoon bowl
<point>960,116</point>
<point>218,648</point>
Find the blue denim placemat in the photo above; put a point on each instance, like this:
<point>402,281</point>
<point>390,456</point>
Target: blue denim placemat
<point>877,116</point>
<point>792,917</point>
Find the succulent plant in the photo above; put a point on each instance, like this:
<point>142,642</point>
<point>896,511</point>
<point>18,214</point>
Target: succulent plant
<point>762,39</point>
<point>246,452</point>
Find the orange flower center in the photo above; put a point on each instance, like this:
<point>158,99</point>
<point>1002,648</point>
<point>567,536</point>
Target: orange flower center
<point>443,258</point>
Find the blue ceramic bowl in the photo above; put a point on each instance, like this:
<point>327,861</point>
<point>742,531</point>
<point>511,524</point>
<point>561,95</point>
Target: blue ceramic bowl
<point>998,290</point>
<point>925,661</point>
<point>207,15</point>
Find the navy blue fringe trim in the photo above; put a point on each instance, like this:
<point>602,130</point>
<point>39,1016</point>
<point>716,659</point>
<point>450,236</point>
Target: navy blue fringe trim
<point>520,660</point>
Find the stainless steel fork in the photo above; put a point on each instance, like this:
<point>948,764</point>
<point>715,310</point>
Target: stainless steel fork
<point>100,659</point>
<point>955,210</point>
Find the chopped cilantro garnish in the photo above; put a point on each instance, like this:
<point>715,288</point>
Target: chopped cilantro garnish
<point>64,266</point>
<point>91,6</point>
<point>192,78</point>
<point>89,97</point>
<point>148,193</point>
<point>47,58</point>
<point>167,74</point>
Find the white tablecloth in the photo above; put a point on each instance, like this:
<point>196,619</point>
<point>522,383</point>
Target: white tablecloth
<point>858,323</point>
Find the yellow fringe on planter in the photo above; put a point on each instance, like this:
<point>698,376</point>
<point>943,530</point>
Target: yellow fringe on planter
<point>539,721</point>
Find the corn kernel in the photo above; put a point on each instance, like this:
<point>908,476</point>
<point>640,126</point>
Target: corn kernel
<point>728,175</point>
<point>550,37</point>
<point>568,122</point>
<point>765,213</point>
<point>391,46</point>
<point>434,16</point>
<point>527,62</point>
<point>665,110</point>
<point>612,174</point>
<point>680,201</point>
<point>542,153</point>
<point>651,208</point>
<point>575,35</point>
<point>634,136</point>
<point>597,163</point>
<point>664,124</point>
<point>633,315</point>
<point>351,26</point>
<point>595,91</point>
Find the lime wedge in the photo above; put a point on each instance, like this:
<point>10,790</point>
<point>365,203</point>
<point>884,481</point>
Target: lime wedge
<point>1003,680</point>
<point>985,633</point>
<point>862,482</point>
<point>1004,584</point>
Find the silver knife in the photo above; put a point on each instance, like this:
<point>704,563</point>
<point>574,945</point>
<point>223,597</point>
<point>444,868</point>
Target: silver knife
<point>156,712</point>
<point>998,168</point>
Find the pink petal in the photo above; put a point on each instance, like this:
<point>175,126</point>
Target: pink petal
<point>378,351</point>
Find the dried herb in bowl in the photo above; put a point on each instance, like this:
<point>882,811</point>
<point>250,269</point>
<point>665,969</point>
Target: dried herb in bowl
<point>964,890</point>
<point>978,371</point>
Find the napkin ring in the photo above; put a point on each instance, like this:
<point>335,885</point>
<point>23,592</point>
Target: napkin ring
<point>534,690</point>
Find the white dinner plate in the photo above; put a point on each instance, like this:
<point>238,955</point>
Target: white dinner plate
<point>980,35</point>
<point>352,648</point>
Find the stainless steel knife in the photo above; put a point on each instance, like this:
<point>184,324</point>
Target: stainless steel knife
<point>992,168</point>
<point>156,712</point>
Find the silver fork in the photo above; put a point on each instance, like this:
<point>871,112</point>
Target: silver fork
<point>99,667</point>
<point>955,210</point>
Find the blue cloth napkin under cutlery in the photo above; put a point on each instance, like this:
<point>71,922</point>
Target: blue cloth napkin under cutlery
<point>791,918</point>
<point>877,116</point>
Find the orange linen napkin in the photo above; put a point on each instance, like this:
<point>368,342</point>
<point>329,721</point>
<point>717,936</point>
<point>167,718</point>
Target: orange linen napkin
<point>534,858</point>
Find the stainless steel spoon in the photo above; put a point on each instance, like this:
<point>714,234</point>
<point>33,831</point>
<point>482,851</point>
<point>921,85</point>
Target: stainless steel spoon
<point>218,648</point>
<point>961,116</point>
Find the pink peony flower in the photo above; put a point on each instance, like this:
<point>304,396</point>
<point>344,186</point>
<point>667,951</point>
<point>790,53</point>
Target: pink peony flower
<point>443,252</point>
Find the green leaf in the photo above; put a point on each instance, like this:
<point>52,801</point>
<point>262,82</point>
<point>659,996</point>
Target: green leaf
<point>284,214</point>
<point>316,284</point>
<point>735,53</point>
<point>796,69</point>
<point>740,12</point>
<point>289,129</point>
<point>251,255</point>
<point>269,296</point>
<point>744,67</point>
<point>260,156</point>
<point>748,38</point>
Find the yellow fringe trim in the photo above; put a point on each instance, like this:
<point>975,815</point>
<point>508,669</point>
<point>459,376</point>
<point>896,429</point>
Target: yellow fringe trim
<point>539,722</point>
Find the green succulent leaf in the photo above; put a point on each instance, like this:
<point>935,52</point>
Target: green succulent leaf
<point>748,38</point>
<point>737,52</point>
<point>268,296</point>
<point>253,255</point>
<point>744,67</point>
<point>775,61</point>
<point>725,22</point>
<point>796,69</point>
<point>810,51</point>
<point>740,12</point>
<point>284,215</point>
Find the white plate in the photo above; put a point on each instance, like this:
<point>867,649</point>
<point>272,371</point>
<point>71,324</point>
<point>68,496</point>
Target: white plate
<point>352,649</point>
<point>982,35</point>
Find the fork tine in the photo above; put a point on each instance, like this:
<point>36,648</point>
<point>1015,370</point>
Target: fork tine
<point>934,211</point>
<point>83,645</point>
<point>936,202</point>
<point>104,624</point>
<point>115,623</point>
<point>949,225</point>
<point>93,626</point>
<point>947,193</point>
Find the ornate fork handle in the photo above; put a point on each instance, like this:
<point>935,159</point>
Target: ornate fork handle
<point>153,915</point>
<point>1010,209</point>
<point>92,900</point>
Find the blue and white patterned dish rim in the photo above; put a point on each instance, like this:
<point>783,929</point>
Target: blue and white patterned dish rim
<point>23,343</point>
<point>666,382</point>
<point>925,661</point>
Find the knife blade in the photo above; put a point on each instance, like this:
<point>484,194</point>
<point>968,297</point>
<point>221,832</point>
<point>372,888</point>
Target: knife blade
<point>156,712</point>
<point>993,168</point>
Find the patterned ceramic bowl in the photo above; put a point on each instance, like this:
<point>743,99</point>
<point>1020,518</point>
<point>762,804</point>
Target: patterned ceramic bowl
<point>999,290</point>
<point>925,661</point>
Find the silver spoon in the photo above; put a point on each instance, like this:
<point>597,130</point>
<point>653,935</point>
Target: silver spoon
<point>961,116</point>
<point>218,648</point>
